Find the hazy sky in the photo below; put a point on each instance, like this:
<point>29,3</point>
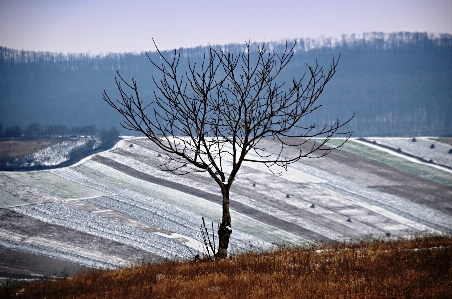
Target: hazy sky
<point>97,26</point>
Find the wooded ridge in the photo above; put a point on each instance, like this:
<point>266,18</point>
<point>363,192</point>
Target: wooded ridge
<point>398,84</point>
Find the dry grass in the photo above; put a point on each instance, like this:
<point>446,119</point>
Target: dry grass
<point>17,148</point>
<point>419,268</point>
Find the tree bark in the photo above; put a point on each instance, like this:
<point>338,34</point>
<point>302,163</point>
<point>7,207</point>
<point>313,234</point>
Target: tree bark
<point>225,230</point>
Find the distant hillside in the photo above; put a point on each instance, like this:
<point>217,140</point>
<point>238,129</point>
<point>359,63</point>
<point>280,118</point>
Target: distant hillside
<point>398,84</point>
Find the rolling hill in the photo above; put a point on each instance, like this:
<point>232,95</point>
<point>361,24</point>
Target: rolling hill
<point>116,208</point>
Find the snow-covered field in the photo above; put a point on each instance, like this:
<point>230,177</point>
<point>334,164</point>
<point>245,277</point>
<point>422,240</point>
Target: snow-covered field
<point>119,197</point>
<point>397,160</point>
<point>57,153</point>
<point>423,147</point>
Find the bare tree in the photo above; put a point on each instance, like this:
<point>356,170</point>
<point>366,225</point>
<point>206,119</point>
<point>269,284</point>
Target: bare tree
<point>216,112</point>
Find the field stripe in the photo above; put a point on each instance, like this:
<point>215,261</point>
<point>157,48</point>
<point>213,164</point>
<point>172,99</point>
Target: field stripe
<point>415,213</point>
<point>54,184</point>
<point>76,219</point>
<point>328,219</point>
<point>392,159</point>
<point>22,230</point>
<point>9,200</point>
<point>54,253</point>
<point>164,201</point>
<point>92,256</point>
<point>418,151</point>
<point>237,206</point>
<point>23,191</point>
<point>270,205</point>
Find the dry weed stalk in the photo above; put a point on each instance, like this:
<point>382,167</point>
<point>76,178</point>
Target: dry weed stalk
<point>208,245</point>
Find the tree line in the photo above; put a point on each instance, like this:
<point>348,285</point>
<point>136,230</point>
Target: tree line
<point>38,131</point>
<point>398,83</point>
<point>114,61</point>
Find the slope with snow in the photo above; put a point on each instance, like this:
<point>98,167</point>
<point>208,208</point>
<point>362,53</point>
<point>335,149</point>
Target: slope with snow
<point>120,197</point>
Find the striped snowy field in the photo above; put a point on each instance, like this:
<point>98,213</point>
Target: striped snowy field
<point>426,148</point>
<point>117,208</point>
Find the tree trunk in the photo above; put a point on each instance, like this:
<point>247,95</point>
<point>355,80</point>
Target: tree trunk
<point>225,230</point>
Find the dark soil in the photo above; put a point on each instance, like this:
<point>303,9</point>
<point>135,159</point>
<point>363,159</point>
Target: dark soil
<point>17,148</point>
<point>444,140</point>
<point>20,265</point>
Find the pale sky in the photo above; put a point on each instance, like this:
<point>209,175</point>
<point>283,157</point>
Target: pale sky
<point>100,26</point>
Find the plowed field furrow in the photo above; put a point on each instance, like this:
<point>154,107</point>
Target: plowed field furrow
<point>235,205</point>
<point>9,200</point>
<point>374,159</point>
<point>55,253</point>
<point>403,207</point>
<point>254,200</point>
<point>90,206</point>
<point>54,185</point>
<point>92,255</point>
<point>326,220</point>
<point>425,148</point>
<point>21,228</point>
<point>70,217</point>
<point>23,191</point>
<point>174,218</point>
<point>118,207</point>
<point>149,214</point>
<point>326,216</point>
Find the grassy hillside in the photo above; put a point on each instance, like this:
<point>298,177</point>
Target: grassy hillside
<point>420,268</point>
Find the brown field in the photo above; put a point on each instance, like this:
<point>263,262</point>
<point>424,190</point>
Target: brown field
<point>17,148</point>
<point>444,140</point>
<point>420,268</point>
